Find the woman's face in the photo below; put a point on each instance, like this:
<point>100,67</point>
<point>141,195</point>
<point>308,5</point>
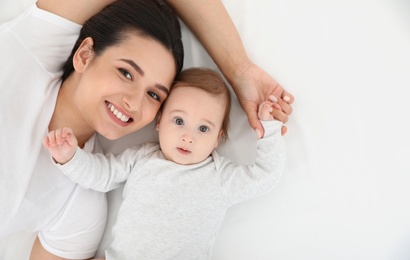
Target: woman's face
<point>122,89</point>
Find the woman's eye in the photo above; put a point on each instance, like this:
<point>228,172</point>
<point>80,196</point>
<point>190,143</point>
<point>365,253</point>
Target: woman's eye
<point>125,73</point>
<point>154,95</point>
<point>203,128</point>
<point>179,121</point>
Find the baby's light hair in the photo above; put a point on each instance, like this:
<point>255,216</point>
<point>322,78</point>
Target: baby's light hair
<point>211,82</point>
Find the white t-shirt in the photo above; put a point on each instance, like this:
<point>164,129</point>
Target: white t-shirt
<point>34,195</point>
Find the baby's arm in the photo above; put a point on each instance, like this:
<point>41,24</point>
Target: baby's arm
<point>241,182</point>
<point>92,171</point>
<point>61,144</point>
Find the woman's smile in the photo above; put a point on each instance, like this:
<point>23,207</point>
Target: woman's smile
<point>119,116</point>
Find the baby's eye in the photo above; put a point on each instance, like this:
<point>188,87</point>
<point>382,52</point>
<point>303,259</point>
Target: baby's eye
<point>178,121</point>
<point>203,128</point>
<point>154,95</point>
<point>125,73</point>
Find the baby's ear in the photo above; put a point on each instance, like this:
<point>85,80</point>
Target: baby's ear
<point>220,138</point>
<point>158,120</point>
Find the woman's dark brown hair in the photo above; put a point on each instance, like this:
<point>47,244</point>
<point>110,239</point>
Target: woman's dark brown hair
<point>146,18</point>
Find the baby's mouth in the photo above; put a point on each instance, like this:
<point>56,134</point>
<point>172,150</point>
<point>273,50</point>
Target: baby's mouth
<point>183,151</point>
<point>118,114</point>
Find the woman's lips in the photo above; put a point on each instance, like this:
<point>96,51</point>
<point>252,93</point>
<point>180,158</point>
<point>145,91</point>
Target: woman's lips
<point>117,115</point>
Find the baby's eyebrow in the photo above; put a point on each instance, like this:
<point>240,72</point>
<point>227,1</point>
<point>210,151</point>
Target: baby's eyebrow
<point>210,122</point>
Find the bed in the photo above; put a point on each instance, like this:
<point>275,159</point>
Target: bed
<point>344,194</point>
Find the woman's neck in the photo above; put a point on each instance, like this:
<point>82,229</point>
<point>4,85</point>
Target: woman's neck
<point>66,114</point>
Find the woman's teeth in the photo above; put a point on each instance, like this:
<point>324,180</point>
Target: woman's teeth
<point>117,113</point>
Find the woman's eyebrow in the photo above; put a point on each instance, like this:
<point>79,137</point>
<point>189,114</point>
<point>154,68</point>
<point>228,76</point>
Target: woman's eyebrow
<point>134,65</point>
<point>141,72</point>
<point>162,88</point>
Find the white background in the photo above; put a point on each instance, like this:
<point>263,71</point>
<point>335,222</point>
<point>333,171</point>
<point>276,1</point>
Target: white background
<point>344,194</point>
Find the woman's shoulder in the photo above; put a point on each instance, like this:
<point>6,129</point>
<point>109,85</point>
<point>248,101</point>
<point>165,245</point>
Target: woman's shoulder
<point>33,16</point>
<point>45,37</point>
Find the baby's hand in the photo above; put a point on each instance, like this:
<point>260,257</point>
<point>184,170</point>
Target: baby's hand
<point>265,109</point>
<point>61,144</point>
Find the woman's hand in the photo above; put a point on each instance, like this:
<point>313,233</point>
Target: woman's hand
<point>252,87</point>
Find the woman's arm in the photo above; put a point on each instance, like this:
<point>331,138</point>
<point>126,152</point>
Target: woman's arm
<point>77,11</point>
<point>212,25</point>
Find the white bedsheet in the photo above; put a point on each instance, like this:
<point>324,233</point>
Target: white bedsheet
<point>344,194</point>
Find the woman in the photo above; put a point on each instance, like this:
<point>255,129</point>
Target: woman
<point>130,77</point>
<point>114,82</point>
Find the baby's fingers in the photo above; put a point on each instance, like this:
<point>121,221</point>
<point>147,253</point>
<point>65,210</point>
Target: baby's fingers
<point>65,135</point>
<point>50,139</point>
<point>265,110</point>
<point>46,142</point>
<point>68,135</point>
<point>59,137</point>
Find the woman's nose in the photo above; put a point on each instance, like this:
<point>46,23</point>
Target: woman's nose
<point>133,101</point>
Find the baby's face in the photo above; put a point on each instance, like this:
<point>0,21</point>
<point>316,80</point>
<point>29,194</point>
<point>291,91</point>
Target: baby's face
<point>190,125</point>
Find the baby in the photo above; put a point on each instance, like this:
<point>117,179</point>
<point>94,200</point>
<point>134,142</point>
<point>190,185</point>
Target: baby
<point>177,191</point>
